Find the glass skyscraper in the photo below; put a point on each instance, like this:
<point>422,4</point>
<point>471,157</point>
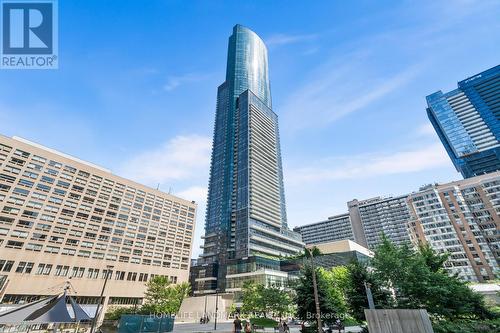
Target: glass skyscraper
<point>246,227</point>
<point>467,120</point>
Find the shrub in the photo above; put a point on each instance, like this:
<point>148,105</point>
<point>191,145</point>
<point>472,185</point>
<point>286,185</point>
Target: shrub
<point>467,326</point>
<point>115,313</point>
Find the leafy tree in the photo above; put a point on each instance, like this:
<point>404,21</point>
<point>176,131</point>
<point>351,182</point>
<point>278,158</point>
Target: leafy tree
<point>358,274</point>
<point>251,298</point>
<point>232,309</point>
<point>304,254</point>
<point>304,297</point>
<point>162,297</point>
<point>432,260</point>
<point>181,291</point>
<point>258,298</point>
<point>337,282</point>
<point>277,300</point>
<point>420,281</point>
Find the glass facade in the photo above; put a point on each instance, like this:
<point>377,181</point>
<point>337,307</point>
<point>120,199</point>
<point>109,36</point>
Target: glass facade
<point>467,120</point>
<point>246,213</point>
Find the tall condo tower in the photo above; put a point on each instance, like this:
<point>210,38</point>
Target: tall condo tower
<point>246,227</point>
<point>467,120</point>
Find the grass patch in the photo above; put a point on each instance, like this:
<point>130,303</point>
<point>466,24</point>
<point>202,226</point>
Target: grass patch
<point>265,322</point>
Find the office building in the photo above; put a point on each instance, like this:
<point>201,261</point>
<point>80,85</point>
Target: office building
<point>246,226</point>
<point>467,120</point>
<point>63,218</point>
<point>335,228</point>
<point>461,218</point>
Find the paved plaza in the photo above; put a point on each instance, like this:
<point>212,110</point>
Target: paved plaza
<point>227,327</point>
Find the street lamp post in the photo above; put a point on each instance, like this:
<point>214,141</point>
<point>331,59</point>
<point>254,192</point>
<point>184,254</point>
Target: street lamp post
<point>316,298</point>
<point>94,320</point>
<point>369,296</point>
<point>205,312</point>
<point>216,308</point>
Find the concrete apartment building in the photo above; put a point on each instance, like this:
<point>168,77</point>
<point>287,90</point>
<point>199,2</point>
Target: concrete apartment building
<point>63,218</point>
<point>364,223</point>
<point>335,228</point>
<point>463,219</point>
<point>373,217</point>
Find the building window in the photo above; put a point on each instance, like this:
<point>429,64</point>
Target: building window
<point>131,276</point>
<point>14,244</point>
<point>6,265</point>
<point>107,273</point>
<point>92,273</point>
<point>119,275</point>
<point>44,269</point>
<point>33,247</point>
<point>77,272</point>
<point>59,270</point>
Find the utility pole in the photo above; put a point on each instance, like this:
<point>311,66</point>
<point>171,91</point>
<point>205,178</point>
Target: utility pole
<point>94,320</point>
<point>316,298</point>
<point>216,308</point>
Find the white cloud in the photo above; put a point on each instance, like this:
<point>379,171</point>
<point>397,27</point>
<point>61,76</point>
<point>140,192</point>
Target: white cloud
<point>196,193</point>
<point>175,81</point>
<point>426,130</point>
<point>180,163</point>
<point>336,91</point>
<point>180,158</point>
<point>371,165</point>
<point>284,39</point>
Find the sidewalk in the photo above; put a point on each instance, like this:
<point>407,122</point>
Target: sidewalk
<point>227,327</point>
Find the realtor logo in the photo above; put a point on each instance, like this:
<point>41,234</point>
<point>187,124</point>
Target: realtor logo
<point>29,34</point>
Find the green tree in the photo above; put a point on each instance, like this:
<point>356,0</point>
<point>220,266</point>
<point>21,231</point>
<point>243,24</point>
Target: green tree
<point>304,254</point>
<point>181,291</point>
<point>420,281</point>
<point>232,309</point>
<point>337,282</point>
<point>251,298</point>
<point>357,275</point>
<point>277,300</point>
<point>304,297</point>
<point>263,300</point>
<point>163,297</point>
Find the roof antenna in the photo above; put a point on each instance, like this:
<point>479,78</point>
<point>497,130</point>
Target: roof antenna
<point>158,187</point>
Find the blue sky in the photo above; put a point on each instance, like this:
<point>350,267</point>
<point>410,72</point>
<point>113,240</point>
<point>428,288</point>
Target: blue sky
<point>136,86</point>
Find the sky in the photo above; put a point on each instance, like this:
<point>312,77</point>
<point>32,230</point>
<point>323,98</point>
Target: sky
<point>136,88</point>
